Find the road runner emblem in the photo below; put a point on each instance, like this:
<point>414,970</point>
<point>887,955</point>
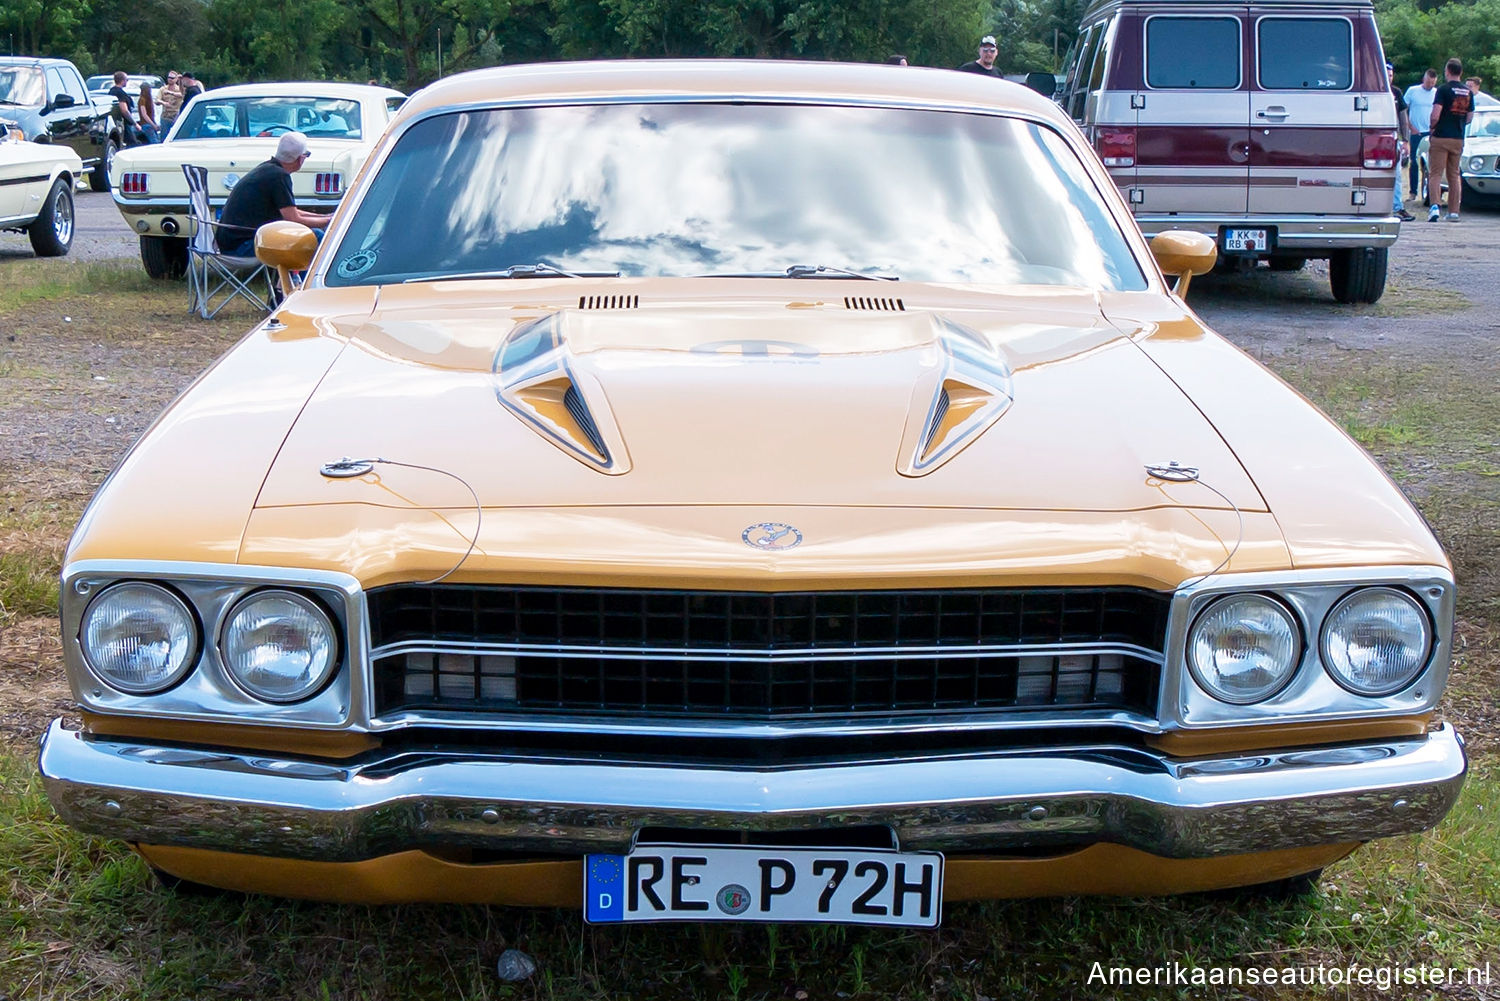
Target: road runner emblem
<point>772,535</point>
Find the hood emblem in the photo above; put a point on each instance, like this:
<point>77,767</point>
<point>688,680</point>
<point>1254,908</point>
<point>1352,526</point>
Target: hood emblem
<point>771,535</point>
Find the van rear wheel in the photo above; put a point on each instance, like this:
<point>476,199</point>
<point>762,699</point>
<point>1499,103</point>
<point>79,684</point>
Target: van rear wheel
<point>1358,275</point>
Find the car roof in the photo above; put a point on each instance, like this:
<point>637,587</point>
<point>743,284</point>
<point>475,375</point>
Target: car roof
<point>1229,6</point>
<point>306,89</point>
<point>728,79</point>
<point>31,61</point>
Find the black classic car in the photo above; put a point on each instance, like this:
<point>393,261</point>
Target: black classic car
<point>47,99</point>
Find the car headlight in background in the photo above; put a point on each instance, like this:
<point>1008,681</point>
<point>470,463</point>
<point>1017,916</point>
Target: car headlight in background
<point>1376,641</point>
<point>1244,648</point>
<point>279,646</point>
<point>1476,164</point>
<point>139,638</point>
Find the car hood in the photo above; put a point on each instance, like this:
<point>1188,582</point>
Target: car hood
<point>809,404</point>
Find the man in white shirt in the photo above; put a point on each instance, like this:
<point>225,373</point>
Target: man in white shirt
<point>1419,110</point>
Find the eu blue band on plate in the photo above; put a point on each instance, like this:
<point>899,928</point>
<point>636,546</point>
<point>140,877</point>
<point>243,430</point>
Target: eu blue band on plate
<point>604,887</point>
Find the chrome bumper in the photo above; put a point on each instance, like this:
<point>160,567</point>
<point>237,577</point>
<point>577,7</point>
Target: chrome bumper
<point>995,802</point>
<point>1303,232</point>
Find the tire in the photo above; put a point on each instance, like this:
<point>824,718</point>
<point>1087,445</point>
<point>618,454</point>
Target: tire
<point>1358,275</point>
<point>1287,263</point>
<point>165,257</point>
<point>52,231</point>
<point>99,176</point>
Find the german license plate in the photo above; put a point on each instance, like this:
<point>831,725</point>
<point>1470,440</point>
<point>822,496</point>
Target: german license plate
<point>1247,239</point>
<point>698,883</point>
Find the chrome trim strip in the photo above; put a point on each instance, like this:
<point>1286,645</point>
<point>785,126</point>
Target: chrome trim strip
<point>752,656</point>
<point>260,804</point>
<point>1293,231</point>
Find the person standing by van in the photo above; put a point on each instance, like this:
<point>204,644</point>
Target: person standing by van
<point>1419,110</point>
<point>1452,106</point>
<point>986,62</point>
<point>1403,133</point>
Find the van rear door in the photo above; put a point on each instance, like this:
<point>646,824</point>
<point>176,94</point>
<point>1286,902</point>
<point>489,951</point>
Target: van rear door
<point>1192,131</point>
<point>1306,115</point>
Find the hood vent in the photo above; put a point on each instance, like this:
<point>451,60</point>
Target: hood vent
<point>882,305</point>
<point>965,394</point>
<point>608,301</point>
<point>538,382</point>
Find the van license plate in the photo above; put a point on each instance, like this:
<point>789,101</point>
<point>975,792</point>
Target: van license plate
<point>700,883</point>
<point>1245,240</point>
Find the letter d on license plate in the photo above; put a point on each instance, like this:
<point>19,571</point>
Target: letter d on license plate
<point>702,883</point>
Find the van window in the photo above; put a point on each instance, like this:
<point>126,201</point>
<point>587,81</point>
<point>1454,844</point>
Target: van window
<point>1101,58</point>
<point>1193,53</point>
<point>1086,52</point>
<point>1306,53</point>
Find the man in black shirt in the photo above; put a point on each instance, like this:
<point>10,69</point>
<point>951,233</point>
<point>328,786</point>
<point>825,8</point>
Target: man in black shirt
<point>1403,133</point>
<point>986,62</point>
<point>265,195</point>
<point>1452,106</point>
<point>124,109</point>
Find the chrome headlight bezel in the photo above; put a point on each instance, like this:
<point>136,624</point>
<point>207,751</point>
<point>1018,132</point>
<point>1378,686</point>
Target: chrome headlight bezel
<point>1279,610</point>
<point>320,618</point>
<point>1312,694</point>
<point>187,651</point>
<point>1476,164</point>
<point>1423,619</point>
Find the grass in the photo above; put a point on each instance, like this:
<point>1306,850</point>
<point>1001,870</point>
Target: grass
<point>84,918</point>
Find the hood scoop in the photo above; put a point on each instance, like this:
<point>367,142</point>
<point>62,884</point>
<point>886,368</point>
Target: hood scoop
<point>969,390</point>
<point>537,381</point>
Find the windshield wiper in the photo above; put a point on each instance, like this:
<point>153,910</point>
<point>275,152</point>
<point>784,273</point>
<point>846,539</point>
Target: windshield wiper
<point>538,270</point>
<point>814,270</point>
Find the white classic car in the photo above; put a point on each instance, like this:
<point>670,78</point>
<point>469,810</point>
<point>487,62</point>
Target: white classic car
<point>36,191</point>
<point>229,131</point>
<point>1480,163</point>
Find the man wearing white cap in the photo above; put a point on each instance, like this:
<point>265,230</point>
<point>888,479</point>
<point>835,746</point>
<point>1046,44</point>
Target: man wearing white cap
<point>986,62</point>
<point>265,195</point>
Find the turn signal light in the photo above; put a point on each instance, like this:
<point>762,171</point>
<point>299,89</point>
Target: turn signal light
<point>134,184</point>
<point>1379,150</point>
<point>1116,147</point>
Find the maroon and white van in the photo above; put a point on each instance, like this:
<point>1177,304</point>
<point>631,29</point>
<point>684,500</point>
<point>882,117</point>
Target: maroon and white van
<point>1267,125</point>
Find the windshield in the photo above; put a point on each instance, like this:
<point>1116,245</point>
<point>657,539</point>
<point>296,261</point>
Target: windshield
<point>22,85</point>
<point>704,189</point>
<point>100,83</point>
<point>230,117</point>
<point>1484,123</point>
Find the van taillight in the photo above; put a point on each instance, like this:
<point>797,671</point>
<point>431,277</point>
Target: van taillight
<point>1379,150</point>
<point>1116,146</point>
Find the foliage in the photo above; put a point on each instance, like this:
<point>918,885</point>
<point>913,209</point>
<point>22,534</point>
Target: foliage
<point>1419,35</point>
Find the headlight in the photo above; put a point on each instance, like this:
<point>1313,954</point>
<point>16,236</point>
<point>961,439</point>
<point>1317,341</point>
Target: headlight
<point>139,638</point>
<point>1244,648</point>
<point>279,646</point>
<point>1376,641</point>
<point>1476,164</point>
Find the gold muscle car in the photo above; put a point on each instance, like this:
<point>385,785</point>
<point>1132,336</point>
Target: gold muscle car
<point>230,131</point>
<point>36,190</point>
<point>746,491</point>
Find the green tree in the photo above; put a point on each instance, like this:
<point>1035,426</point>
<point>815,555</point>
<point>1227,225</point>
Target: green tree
<point>42,27</point>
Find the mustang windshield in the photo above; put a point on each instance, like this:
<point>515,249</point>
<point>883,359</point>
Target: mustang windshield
<point>239,117</point>
<point>716,189</point>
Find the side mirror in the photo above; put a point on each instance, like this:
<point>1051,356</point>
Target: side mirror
<point>1043,83</point>
<point>287,247</point>
<point>1184,254</point>
<point>63,101</point>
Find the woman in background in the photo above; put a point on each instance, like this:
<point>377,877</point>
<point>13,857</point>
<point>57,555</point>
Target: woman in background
<point>145,114</point>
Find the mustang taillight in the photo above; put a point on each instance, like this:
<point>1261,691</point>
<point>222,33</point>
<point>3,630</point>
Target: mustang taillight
<point>328,184</point>
<point>134,184</point>
<point>1116,146</point>
<point>1379,150</point>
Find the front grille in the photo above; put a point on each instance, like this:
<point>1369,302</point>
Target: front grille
<point>755,656</point>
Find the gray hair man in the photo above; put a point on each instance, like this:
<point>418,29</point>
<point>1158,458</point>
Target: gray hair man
<point>265,195</point>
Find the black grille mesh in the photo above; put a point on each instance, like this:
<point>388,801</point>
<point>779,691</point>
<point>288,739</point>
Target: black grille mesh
<point>662,648</point>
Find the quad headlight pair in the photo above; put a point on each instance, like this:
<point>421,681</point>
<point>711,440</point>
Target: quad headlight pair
<point>1245,648</point>
<point>142,638</point>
